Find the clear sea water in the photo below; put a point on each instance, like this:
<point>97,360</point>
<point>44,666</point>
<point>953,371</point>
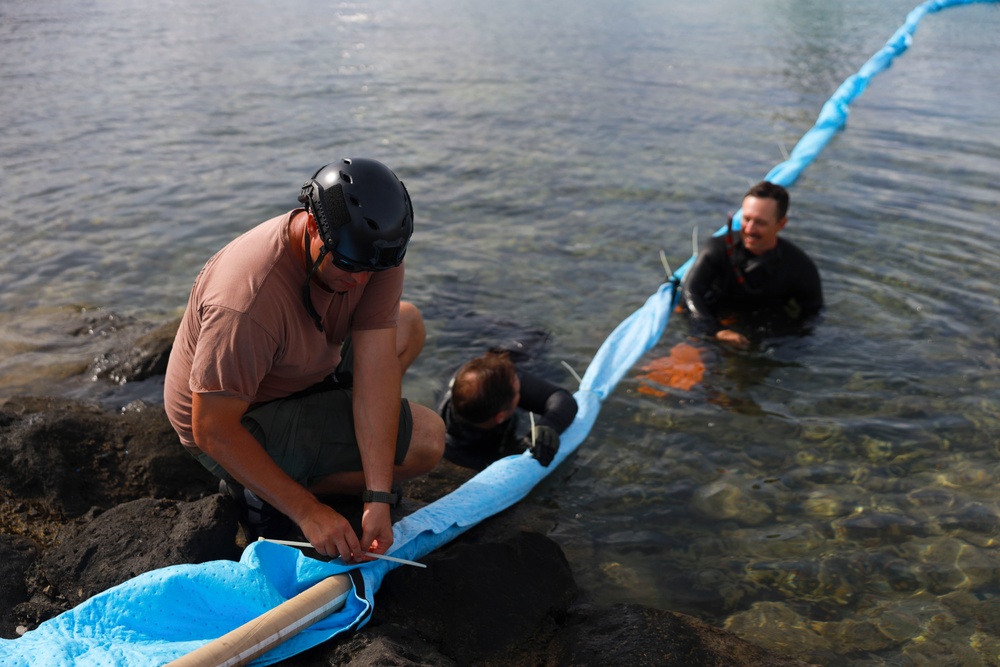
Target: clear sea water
<point>834,496</point>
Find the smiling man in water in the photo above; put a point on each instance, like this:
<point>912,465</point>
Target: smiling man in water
<point>257,387</point>
<point>753,274</point>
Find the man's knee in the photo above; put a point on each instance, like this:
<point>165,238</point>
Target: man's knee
<point>426,441</point>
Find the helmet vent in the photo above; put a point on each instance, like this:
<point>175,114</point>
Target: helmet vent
<point>372,224</point>
<point>344,176</point>
<point>354,200</point>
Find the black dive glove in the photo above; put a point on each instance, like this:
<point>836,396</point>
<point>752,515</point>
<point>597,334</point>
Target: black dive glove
<point>546,444</point>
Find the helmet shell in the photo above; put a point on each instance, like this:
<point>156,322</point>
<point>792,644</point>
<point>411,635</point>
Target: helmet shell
<point>363,212</point>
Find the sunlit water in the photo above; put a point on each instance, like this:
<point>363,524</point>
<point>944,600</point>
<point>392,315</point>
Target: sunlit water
<point>833,496</point>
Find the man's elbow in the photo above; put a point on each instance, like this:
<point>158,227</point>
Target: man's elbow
<point>571,406</point>
<point>205,440</point>
<point>560,410</point>
<point>214,421</point>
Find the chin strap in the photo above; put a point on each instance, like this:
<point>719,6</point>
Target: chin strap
<point>310,271</point>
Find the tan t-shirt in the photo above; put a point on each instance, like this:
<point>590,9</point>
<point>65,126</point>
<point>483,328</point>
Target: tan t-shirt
<point>246,332</point>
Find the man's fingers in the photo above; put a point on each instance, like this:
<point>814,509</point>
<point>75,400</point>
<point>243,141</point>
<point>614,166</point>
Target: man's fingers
<point>377,543</point>
<point>352,547</point>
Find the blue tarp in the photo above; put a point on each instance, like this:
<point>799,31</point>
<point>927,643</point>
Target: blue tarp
<point>162,615</point>
<point>165,614</point>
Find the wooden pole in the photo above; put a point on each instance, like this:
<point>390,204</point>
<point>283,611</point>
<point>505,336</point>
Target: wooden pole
<point>263,633</point>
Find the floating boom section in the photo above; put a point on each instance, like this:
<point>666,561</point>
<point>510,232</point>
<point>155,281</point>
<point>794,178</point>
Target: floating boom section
<point>833,116</point>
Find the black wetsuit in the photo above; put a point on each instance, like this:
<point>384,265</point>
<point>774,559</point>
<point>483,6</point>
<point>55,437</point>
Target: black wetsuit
<point>472,447</point>
<point>781,285</point>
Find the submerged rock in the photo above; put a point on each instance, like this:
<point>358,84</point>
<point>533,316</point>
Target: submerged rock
<point>727,498</point>
<point>972,517</point>
<point>145,357</point>
<point>877,527</point>
<point>776,626</point>
<point>831,501</point>
<point>632,635</point>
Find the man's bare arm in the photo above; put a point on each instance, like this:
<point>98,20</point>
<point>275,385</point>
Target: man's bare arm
<point>377,391</point>
<point>219,433</point>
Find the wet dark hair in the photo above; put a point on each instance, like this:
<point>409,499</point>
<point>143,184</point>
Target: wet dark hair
<point>484,387</point>
<point>768,190</point>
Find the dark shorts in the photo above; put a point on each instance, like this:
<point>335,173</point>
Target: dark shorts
<point>311,434</point>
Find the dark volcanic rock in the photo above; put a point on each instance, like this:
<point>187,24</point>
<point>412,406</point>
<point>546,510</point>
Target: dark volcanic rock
<point>61,454</point>
<point>16,556</point>
<point>60,458</point>
<point>479,600</point>
<point>155,464</point>
<point>137,537</point>
<point>387,645</point>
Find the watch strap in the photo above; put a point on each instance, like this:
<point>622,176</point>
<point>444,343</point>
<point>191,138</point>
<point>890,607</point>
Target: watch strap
<point>378,497</point>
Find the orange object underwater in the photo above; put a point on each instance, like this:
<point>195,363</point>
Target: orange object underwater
<point>682,369</point>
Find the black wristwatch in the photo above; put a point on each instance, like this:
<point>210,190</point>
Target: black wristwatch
<point>378,497</point>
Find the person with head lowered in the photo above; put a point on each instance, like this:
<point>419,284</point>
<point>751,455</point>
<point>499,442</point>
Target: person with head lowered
<point>481,410</point>
<point>753,275</point>
<point>251,385</point>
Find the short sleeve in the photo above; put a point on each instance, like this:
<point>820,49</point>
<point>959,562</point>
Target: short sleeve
<point>232,356</point>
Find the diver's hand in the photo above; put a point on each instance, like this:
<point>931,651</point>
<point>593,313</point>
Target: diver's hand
<point>545,445</point>
<point>733,338</point>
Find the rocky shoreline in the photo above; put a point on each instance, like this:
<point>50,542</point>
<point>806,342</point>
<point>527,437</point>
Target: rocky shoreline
<point>91,497</point>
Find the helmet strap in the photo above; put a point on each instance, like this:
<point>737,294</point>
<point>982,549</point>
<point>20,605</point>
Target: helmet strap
<point>311,268</point>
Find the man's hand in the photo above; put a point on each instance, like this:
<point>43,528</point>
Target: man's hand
<point>732,338</point>
<point>330,533</point>
<point>545,446</point>
<point>377,526</point>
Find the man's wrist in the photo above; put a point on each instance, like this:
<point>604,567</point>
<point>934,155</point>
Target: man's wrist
<point>378,497</point>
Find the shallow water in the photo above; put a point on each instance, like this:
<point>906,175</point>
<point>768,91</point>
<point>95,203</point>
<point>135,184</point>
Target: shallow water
<point>833,496</point>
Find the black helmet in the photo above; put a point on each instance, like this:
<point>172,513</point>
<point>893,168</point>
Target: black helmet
<point>363,212</point>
